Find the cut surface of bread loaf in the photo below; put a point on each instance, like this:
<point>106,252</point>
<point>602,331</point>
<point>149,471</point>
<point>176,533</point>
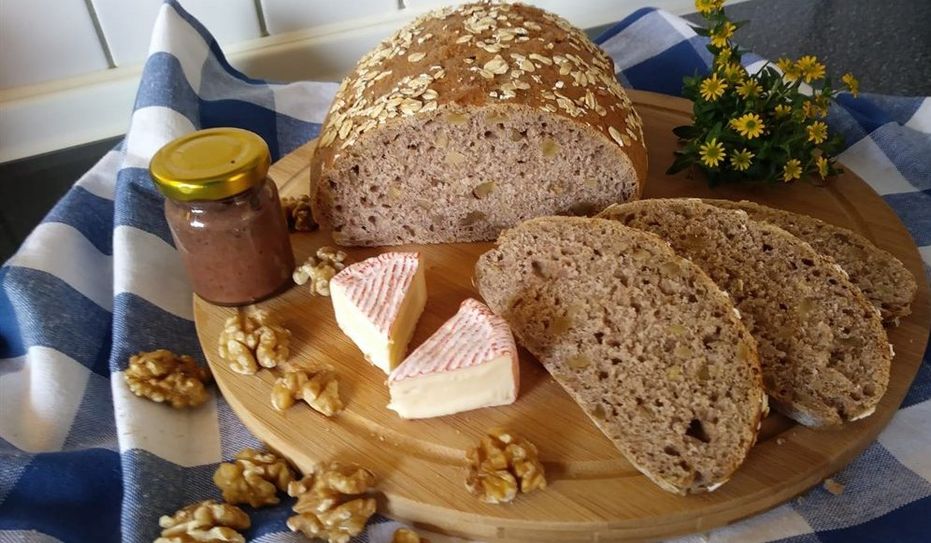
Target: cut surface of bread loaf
<point>468,121</point>
<point>650,348</point>
<point>824,351</point>
<point>882,278</point>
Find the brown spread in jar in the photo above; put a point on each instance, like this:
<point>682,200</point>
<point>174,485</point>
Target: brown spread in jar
<point>225,215</point>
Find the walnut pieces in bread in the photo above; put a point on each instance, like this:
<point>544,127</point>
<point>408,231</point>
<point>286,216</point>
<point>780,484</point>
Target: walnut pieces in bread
<point>163,376</point>
<point>470,120</point>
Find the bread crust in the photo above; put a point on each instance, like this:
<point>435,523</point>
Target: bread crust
<point>882,278</point>
<point>826,357</point>
<point>474,57</point>
<point>635,327</point>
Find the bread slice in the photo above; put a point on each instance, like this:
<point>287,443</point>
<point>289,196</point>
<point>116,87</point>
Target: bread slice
<point>824,350</point>
<point>881,277</point>
<point>649,347</point>
<point>470,120</point>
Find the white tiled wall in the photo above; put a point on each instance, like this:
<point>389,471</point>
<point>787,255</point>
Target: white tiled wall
<point>127,24</point>
<point>290,15</point>
<point>42,40</point>
<point>36,46</point>
<point>54,40</point>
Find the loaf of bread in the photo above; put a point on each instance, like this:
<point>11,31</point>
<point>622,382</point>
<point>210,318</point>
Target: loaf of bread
<point>650,348</point>
<point>881,277</point>
<point>824,350</point>
<point>470,120</point>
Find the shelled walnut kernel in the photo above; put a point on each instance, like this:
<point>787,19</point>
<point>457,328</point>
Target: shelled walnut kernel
<point>406,535</point>
<point>207,522</point>
<point>501,465</point>
<point>319,269</point>
<point>250,340</point>
<point>298,213</point>
<point>332,502</point>
<point>163,376</point>
<point>253,477</point>
<point>320,389</point>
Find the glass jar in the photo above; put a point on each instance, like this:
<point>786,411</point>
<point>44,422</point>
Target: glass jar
<point>225,215</point>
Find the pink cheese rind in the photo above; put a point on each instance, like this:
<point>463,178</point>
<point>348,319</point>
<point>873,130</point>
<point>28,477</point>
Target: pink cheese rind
<point>473,336</point>
<point>378,285</point>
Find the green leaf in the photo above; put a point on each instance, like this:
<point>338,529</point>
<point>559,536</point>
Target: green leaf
<point>680,163</point>
<point>686,132</point>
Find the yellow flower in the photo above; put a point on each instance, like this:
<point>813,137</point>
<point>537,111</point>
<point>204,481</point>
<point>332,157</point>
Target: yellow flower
<point>707,6</point>
<point>732,71</point>
<point>712,152</point>
<point>749,88</point>
<point>809,68</point>
<point>788,69</point>
<point>741,160</point>
<point>813,109</point>
<point>720,36</point>
<point>817,132</point>
<point>792,170</point>
<point>712,88</point>
<point>822,163</point>
<point>852,84</point>
<point>723,56</point>
<point>782,110</point>
<point>748,126</point>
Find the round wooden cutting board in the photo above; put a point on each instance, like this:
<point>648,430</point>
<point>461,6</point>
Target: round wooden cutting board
<point>594,493</point>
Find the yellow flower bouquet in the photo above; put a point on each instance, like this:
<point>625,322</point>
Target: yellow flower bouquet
<point>762,127</point>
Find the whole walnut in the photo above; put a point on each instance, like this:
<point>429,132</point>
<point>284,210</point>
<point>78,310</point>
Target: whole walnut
<point>163,376</point>
<point>253,477</point>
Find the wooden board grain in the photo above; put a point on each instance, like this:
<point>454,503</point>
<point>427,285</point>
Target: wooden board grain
<point>594,494</point>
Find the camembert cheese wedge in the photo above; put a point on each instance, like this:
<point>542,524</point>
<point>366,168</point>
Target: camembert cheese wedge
<point>470,362</point>
<point>377,304</point>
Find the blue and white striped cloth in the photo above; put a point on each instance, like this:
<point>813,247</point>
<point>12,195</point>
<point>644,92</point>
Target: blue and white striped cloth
<point>83,460</point>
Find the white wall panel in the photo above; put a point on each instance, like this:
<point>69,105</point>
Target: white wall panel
<point>583,13</point>
<point>127,24</point>
<point>290,15</point>
<point>42,40</point>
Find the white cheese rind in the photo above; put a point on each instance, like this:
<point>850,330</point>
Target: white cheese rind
<point>377,303</point>
<point>469,363</point>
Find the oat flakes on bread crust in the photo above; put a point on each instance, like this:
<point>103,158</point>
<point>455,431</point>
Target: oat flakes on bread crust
<point>468,121</point>
<point>647,345</point>
<point>824,351</point>
<point>882,278</point>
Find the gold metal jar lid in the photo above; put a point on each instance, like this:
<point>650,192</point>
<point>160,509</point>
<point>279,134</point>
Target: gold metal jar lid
<point>210,164</point>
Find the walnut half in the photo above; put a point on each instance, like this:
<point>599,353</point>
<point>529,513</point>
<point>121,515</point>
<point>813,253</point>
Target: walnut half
<point>501,465</point>
<point>298,213</point>
<point>253,477</point>
<point>320,389</point>
<point>204,522</point>
<point>332,502</point>
<point>319,269</point>
<point>250,340</point>
<point>163,376</point>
